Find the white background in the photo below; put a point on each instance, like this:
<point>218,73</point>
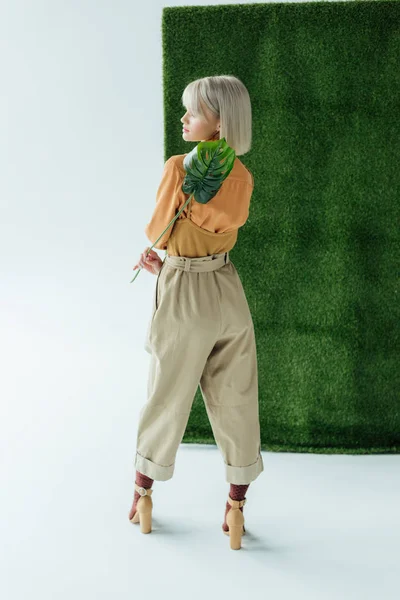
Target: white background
<point>81,156</point>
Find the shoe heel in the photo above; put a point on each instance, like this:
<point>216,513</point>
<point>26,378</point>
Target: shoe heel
<point>235,537</point>
<point>144,508</point>
<point>235,522</point>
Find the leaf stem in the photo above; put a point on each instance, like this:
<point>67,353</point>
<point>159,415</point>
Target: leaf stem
<point>167,227</point>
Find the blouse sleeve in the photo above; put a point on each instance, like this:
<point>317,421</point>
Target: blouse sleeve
<point>168,199</point>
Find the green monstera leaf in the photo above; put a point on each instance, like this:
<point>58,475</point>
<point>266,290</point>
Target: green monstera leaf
<point>206,166</point>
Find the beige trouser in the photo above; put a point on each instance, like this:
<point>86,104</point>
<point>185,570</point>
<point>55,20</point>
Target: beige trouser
<point>200,333</point>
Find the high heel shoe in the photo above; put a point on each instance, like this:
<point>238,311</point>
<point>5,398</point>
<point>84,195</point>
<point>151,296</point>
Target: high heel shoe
<point>144,509</point>
<point>235,522</point>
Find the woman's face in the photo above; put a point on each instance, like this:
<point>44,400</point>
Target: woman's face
<point>199,129</point>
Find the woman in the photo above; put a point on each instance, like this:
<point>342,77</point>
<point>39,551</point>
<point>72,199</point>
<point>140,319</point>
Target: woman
<point>201,330</point>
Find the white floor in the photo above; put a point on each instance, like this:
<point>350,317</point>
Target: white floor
<point>318,527</point>
<point>73,381</point>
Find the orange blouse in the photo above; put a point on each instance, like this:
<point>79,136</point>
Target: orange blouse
<point>226,211</point>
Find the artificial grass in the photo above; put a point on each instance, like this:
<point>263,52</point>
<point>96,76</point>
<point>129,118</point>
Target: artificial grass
<point>319,254</point>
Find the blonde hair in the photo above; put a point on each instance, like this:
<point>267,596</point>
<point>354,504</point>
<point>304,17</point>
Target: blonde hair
<point>228,99</point>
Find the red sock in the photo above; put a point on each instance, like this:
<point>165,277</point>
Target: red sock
<point>142,481</point>
<point>236,492</point>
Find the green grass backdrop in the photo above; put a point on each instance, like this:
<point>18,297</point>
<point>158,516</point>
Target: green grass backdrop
<point>319,254</point>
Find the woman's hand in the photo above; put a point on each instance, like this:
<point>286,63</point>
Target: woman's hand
<point>152,262</point>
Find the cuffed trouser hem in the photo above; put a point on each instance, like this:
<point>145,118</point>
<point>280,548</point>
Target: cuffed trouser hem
<point>152,469</point>
<point>243,475</point>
